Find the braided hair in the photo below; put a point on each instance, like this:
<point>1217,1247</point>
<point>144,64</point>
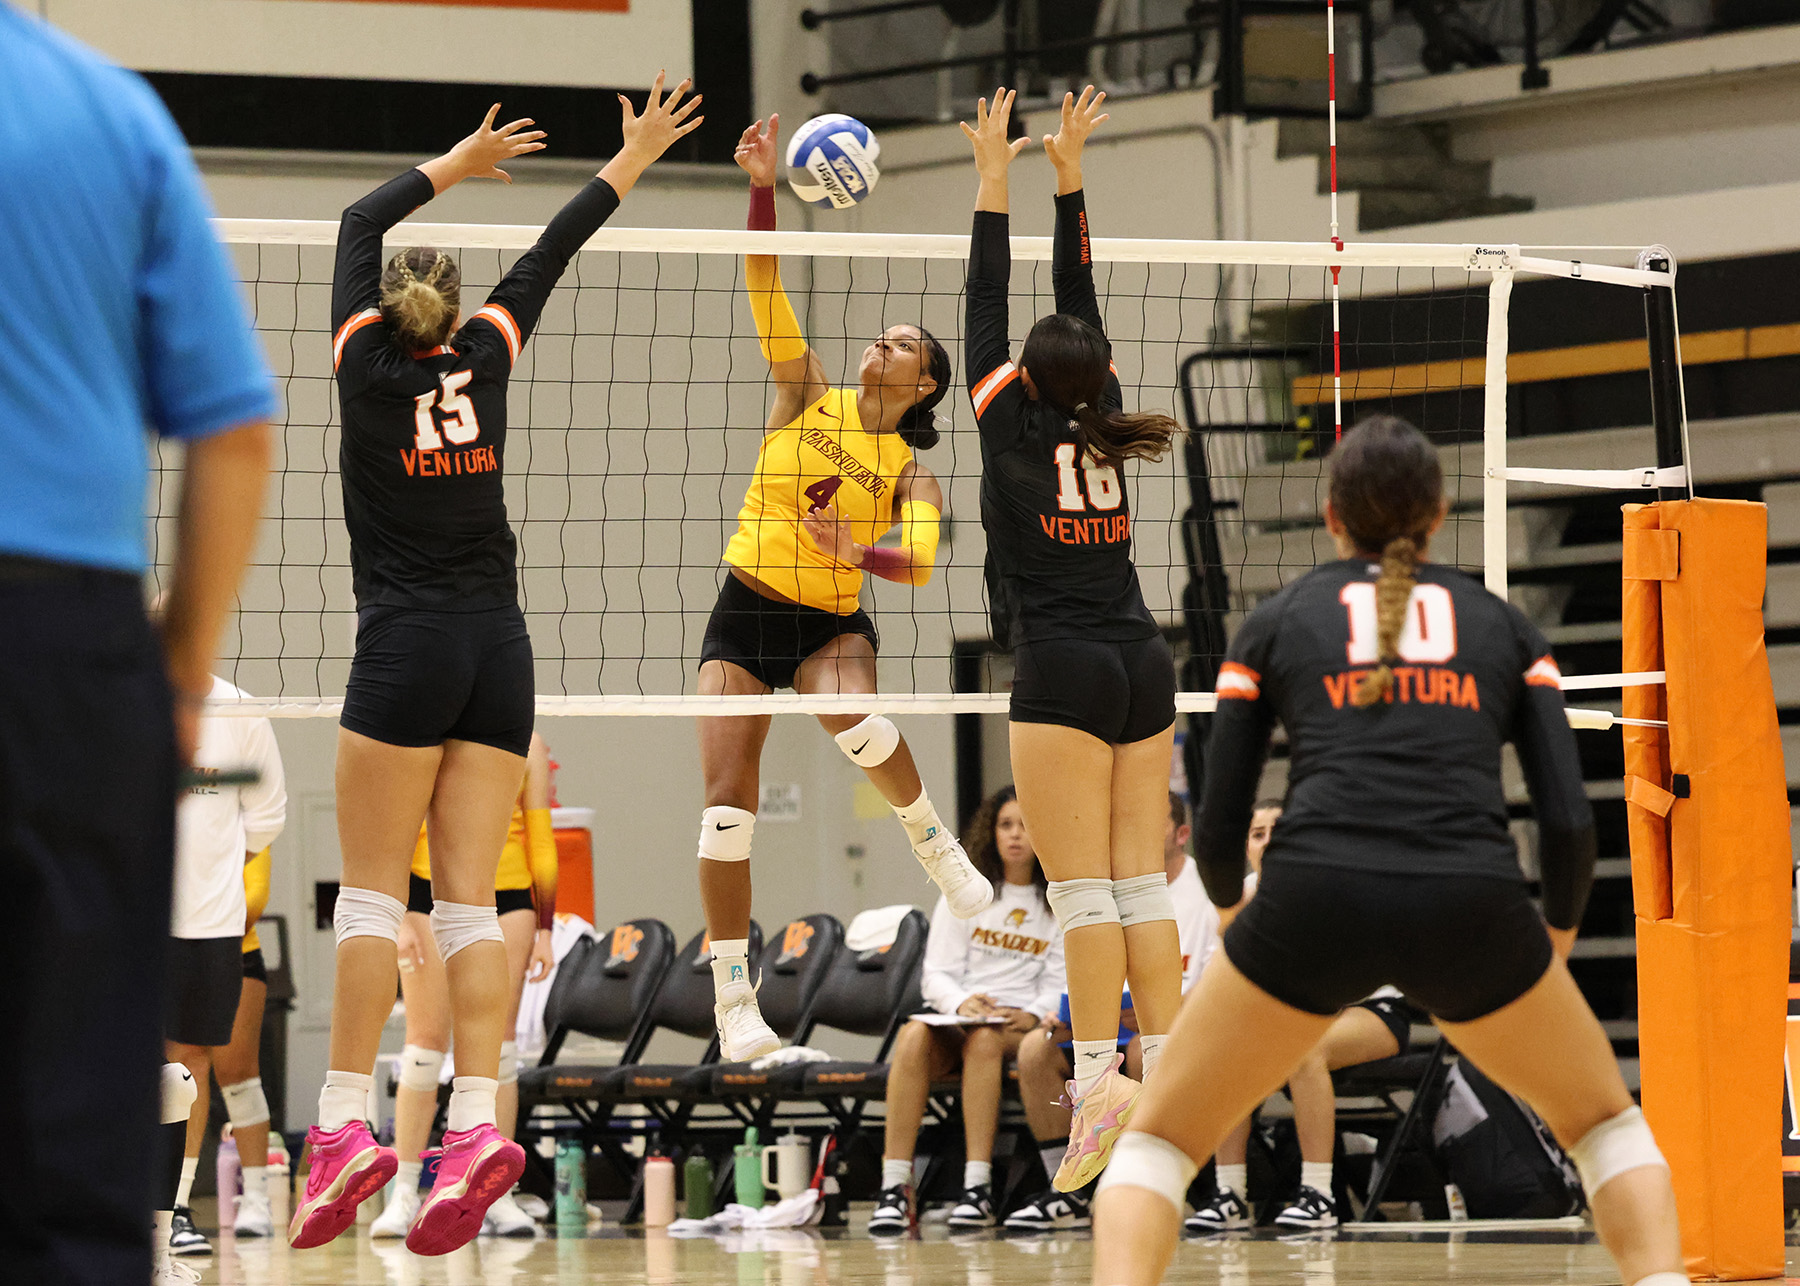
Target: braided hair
<point>421,296</point>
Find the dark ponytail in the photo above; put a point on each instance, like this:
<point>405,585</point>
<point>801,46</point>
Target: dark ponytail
<point>1068,361</point>
<point>918,425</point>
<point>1387,489</point>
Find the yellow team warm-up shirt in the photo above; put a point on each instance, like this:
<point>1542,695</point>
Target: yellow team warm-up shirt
<point>825,457</point>
<point>256,897</point>
<point>513,873</point>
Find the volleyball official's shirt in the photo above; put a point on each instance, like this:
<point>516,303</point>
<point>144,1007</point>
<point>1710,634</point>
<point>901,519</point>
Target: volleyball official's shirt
<point>513,872</point>
<point>1012,953</point>
<point>1058,529</point>
<point>1411,784</point>
<point>424,437</point>
<point>217,826</point>
<point>825,457</point>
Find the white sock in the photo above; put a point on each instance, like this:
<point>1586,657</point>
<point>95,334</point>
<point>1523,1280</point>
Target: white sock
<point>406,1178</point>
<point>977,1174</point>
<point>896,1174</point>
<point>471,1102</point>
<point>1234,1179</point>
<point>921,820</point>
<point>1152,1048</point>
<point>345,1096</point>
<point>256,1180</point>
<point>190,1166</point>
<point>730,962</point>
<point>1316,1175</point>
<point>1050,1152</point>
<point>164,1225</point>
<point>1092,1059</point>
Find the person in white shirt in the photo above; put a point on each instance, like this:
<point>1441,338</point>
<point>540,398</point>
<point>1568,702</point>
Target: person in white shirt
<point>1044,1064</point>
<point>218,828</point>
<point>1001,973</point>
<point>1378,1027</point>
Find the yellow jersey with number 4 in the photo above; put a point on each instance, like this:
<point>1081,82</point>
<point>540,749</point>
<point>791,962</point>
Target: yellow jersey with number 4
<point>823,458</point>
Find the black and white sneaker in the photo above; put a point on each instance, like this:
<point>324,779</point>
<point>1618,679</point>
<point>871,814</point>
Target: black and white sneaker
<point>1226,1212</point>
<point>975,1210</point>
<point>1051,1211</point>
<point>893,1211</point>
<point>184,1238</point>
<point>1308,1212</point>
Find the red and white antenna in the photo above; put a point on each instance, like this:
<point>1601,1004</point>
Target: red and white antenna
<point>1337,329</point>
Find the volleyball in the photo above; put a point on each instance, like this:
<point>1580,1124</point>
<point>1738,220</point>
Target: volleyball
<point>831,161</point>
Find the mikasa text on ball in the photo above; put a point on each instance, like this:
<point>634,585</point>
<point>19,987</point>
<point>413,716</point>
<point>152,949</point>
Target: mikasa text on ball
<point>831,161</point>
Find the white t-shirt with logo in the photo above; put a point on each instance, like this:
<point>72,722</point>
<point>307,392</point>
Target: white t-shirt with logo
<point>1012,953</point>
<point>1196,923</point>
<point>217,826</point>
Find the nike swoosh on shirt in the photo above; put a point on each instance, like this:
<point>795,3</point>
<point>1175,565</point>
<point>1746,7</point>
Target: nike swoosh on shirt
<point>723,827</point>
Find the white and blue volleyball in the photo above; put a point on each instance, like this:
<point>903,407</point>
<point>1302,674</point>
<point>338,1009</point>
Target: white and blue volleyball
<point>831,161</point>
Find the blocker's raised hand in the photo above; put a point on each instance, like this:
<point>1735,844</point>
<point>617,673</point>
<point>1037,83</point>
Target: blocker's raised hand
<point>993,151</point>
<point>479,156</point>
<point>663,120</point>
<point>756,153</point>
<point>1080,116</point>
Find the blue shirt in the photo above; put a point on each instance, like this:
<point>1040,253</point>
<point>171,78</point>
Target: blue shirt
<point>118,310</point>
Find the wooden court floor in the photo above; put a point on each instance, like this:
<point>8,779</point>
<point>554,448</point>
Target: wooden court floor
<point>611,1257</point>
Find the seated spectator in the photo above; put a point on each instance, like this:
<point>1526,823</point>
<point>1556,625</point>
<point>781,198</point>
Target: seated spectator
<point>1000,973</point>
<point>1044,1060</point>
<point>1378,1027</point>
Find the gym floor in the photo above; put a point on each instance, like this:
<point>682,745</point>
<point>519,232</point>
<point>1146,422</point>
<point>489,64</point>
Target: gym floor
<point>792,1257</point>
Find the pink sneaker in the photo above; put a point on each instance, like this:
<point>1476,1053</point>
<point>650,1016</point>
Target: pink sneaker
<point>1101,1115</point>
<point>348,1167</point>
<point>479,1167</point>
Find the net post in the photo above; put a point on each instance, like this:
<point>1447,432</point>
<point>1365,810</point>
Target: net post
<point>1493,435</point>
<point>1667,413</point>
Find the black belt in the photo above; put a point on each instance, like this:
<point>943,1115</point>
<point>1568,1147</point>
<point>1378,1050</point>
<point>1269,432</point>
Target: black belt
<point>21,569</point>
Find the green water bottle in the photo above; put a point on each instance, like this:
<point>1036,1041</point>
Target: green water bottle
<point>746,1162</point>
<point>571,1186</point>
<point>697,1182</point>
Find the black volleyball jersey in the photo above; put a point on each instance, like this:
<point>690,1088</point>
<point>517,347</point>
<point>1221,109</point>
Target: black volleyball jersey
<point>1412,783</point>
<point>424,434</point>
<point>1058,529</point>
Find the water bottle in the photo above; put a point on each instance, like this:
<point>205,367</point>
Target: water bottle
<point>697,1182</point>
<point>747,1177</point>
<point>659,1192</point>
<point>230,1175</point>
<point>571,1186</point>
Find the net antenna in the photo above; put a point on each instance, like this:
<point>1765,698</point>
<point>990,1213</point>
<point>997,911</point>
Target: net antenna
<point>1337,321</point>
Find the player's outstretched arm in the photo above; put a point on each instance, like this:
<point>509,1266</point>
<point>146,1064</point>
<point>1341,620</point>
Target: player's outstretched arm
<point>796,371</point>
<point>994,152</point>
<point>650,134</point>
<point>990,253</point>
<point>1072,260</point>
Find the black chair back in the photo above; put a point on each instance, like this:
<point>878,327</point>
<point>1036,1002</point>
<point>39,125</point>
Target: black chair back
<point>611,995</point>
<point>792,965</point>
<point>868,993</point>
<point>685,1003</point>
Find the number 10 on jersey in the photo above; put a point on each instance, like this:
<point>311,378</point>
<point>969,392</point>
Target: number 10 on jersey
<point>1429,637</point>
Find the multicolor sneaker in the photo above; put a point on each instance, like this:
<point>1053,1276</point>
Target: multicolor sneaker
<point>479,1167</point>
<point>348,1167</point>
<point>1101,1115</point>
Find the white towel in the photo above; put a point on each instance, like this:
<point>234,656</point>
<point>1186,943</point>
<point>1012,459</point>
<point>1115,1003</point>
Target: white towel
<point>791,1054</point>
<point>877,927</point>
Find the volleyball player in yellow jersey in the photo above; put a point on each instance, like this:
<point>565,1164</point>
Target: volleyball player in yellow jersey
<point>525,899</point>
<point>836,472</point>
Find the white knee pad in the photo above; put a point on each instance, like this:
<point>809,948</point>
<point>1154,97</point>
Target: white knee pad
<point>178,1093</point>
<point>509,1062</point>
<point>1145,1161</point>
<point>245,1103</point>
<point>364,913</point>
<point>1078,904</point>
<point>870,743</point>
<point>456,925</point>
<point>725,833</point>
<point>1142,899</point>
<point>420,1067</point>
<point>1618,1144</point>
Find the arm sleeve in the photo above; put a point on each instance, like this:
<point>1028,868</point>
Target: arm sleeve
<point>540,856</point>
<point>1235,751</point>
<point>1053,979</point>
<point>203,368</point>
<point>356,281</point>
<point>514,306</point>
<point>946,960</point>
<point>264,804</point>
<point>777,329</point>
<point>1072,262</point>
<point>1567,842</point>
<point>985,303</point>
<point>912,562</point>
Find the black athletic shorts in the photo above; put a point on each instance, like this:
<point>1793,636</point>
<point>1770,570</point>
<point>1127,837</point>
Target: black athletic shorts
<point>1396,1013</point>
<point>205,977</point>
<point>421,678</point>
<point>418,898</point>
<point>770,638</point>
<point>1321,938</point>
<point>1118,692</point>
<point>255,967</point>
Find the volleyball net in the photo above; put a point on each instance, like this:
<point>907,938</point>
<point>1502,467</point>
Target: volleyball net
<point>636,413</point>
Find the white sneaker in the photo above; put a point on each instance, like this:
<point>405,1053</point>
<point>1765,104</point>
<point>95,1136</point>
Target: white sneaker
<point>253,1216</point>
<point>396,1217</point>
<point>743,1035</point>
<point>505,1219</point>
<point>966,889</point>
<point>166,1270</point>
